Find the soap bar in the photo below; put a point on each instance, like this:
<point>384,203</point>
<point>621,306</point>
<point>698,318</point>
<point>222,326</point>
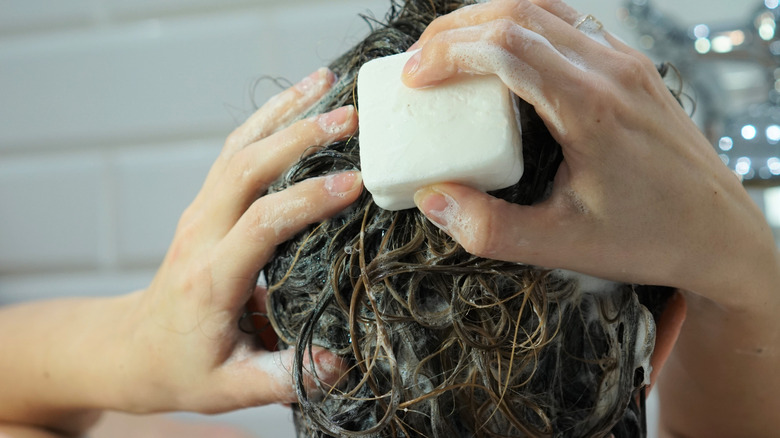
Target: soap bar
<point>465,130</point>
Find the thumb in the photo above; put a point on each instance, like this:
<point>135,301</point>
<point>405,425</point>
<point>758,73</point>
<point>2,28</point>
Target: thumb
<point>273,373</point>
<point>486,226</point>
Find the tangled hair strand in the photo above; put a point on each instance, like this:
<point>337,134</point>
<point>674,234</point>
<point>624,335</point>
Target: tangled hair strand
<point>441,343</point>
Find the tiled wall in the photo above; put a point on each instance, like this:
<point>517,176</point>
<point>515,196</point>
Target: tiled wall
<point>111,113</point>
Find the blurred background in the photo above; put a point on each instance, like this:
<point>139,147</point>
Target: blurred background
<point>111,113</point>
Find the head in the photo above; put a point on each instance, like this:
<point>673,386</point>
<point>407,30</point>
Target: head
<point>439,342</point>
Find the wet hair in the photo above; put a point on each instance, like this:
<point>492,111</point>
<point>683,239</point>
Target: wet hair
<point>438,342</point>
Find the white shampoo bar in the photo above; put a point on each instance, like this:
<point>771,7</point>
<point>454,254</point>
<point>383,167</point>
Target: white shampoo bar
<point>463,130</point>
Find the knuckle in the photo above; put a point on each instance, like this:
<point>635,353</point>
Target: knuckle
<point>188,238</point>
<point>505,7</point>
<point>275,217</point>
<point>632,71</point>
<point>197,277</point>
<point>504,26</point>
<point>558,7</point>
<point>517,8</point>
<point>501,31</point>
<point>436,26</point>
<point>187,221</point>
<point>235,139</point>
<point>189,227</point>
<point>240,171</point>
<point>259,222</point>
<point>313,131</point>
<point>546,4</point>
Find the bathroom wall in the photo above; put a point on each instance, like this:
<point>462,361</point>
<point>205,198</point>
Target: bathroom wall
<point>111,113</point>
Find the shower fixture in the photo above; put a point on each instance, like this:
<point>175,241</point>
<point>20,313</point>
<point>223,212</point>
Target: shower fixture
<point>733,69</point>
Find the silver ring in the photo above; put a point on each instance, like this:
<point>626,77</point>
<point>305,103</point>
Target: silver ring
<point>589,22</point>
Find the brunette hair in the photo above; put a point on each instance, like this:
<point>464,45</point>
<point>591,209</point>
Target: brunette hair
<point>441,343</point>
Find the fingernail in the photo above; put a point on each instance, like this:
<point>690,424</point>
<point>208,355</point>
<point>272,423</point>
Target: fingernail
<point>333,122</point>
<point>438,207</point>
<point>340,184</point>
<point>329,368</point>
<point>414,47</point>
<point>412,64</point>
<point>322,75</point>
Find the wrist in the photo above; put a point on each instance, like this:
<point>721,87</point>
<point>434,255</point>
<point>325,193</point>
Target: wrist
<point>729,256</point>
<point>99,357</point>
<point>744,278</point>
<point>60,374</point>
<point>138,386</point>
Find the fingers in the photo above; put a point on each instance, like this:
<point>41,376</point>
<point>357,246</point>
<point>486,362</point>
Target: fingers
<point>250,171</point>
<point>536,35</point>
<point>559,9</point>
<point>489,227</point>
<point>268,377</point>
<point>522,59</point>
<point>269,221</point>
<point>496,47</point>
<point>281,109</point>
<point>553,19</point>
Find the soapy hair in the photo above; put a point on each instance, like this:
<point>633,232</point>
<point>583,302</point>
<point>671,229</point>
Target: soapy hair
<point>441,343</point>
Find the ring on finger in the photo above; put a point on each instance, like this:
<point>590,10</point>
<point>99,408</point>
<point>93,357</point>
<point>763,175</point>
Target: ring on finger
<point>588,23</point>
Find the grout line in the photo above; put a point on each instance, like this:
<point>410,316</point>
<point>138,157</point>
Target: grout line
<point>108,232</point>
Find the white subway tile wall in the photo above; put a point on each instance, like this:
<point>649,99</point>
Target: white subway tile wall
<point>111,113</point>
<point>52,215</point>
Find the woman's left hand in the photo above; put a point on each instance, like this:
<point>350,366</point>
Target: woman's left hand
<point>641,195</point>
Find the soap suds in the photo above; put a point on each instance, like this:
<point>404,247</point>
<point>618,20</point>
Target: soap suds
<point>278,367</point>
<point>485,56</point>
<point>645,343</point>
<point>308,88</point>
<point>279,374</point>
<point>451,215</point>
<point>309,84</point>
<point>595,32</point>
<point>332,127</point>
<point>332,183</point>
<point>284,215</point>
<point>631,326</point>
<point>281,109</point>
<point>574,58</point>
<point>587,284</point>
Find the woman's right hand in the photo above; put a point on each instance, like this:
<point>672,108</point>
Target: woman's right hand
<point>176,345</point>
<point>185,327</point>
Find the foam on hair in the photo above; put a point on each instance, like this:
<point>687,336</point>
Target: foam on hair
<point>441,343</point>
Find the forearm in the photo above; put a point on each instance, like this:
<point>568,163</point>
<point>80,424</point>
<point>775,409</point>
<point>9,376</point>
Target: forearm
<point>722,379</point>
<point>61,362</point>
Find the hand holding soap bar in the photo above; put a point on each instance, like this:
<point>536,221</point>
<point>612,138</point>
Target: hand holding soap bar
<point>464,130</point>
